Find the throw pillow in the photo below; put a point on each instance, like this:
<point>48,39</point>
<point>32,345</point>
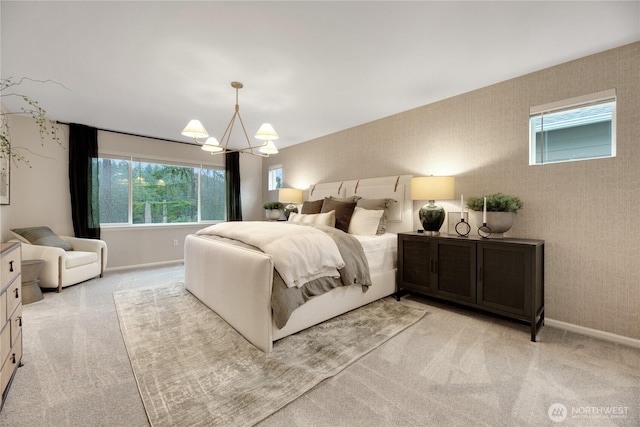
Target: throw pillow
<point>344,211</point>
<point>328,219</point>
<point>377,204</point>
<point>365,222</point>
<point>42,236</point>
<point>312,207</point>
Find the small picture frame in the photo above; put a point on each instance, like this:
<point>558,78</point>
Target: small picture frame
<point>452,219</point>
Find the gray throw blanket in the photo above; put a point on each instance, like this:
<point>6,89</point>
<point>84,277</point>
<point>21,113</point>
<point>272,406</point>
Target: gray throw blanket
<point>285,300</point>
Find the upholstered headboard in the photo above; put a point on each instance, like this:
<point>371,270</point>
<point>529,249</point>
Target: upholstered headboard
<point>398,188</point>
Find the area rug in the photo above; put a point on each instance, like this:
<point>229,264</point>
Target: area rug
<point>193,369</point>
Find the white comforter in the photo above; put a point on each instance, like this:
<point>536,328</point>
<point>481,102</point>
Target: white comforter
<point>300,253</point>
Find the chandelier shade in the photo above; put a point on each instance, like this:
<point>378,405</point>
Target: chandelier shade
<point>266,133</point>
<point>212,145</point>
<point>194,129</point>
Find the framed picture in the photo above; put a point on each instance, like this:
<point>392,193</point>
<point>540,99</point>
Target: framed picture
<point>452,219</point>
<point>5,176</point>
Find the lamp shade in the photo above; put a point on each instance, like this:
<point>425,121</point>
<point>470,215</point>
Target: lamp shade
<point>194,129</point>
<point>268,148</point>
<point>212,145</point>
<point>266,132</point>
<point>290,195</point>
<point>432,188</point>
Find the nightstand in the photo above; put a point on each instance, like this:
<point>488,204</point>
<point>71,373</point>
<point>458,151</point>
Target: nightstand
<point>500,276</point>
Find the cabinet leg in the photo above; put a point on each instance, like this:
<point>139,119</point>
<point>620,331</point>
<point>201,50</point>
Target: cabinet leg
<point>398,294</point>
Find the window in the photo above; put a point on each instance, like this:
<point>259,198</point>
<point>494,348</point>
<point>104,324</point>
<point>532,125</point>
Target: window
<point>574,129</point>
<point>275,177</point>
<point>140,191</point>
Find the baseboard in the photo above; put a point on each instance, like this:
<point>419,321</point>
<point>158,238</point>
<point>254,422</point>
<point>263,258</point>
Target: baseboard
<point>607,336</point>
<point>138,266</point>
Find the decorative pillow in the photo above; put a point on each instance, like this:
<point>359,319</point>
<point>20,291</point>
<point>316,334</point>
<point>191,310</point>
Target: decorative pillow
<point>312,207</point>
<point>42,236</point>
<point>377,204</point>
<point>365,222</point>
<point>328,219</point>
<point>346,199</point>
<point>344,211</point>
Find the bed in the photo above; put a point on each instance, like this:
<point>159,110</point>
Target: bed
<point>236,280</point>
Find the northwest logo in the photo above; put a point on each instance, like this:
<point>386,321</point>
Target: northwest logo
<point>557,412</point>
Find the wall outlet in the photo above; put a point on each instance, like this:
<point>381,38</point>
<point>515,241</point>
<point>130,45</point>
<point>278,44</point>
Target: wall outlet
<point>175,242</point>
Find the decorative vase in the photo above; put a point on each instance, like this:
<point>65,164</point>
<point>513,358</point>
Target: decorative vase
<point>498,222</point>
<point>432,217</point>
<point>272,214</point>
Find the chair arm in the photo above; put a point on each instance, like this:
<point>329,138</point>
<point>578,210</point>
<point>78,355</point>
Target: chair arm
<point>85,245</point>
<point>89,245</point>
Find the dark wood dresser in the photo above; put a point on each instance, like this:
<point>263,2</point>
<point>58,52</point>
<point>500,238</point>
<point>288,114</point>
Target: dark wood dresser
<point>501,276</point>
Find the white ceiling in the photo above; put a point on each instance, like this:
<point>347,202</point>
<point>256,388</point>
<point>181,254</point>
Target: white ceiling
<point>309,68</point>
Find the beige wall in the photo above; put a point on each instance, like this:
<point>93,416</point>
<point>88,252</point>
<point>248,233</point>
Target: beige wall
<point>40,193</point>
<point>585,211</point>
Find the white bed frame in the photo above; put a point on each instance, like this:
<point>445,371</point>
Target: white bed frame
<point>236,282</point>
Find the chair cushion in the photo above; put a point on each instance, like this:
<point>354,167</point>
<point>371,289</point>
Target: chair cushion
<point>42,236</point>
<point>78,258</point>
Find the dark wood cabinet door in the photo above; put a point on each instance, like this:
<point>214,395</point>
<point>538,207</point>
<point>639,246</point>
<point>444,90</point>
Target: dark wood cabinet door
<point>415,263</point>
<point>504,277</point>
<point>455,270</point>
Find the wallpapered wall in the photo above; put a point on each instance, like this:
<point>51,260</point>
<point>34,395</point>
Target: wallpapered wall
<point>585,211</point>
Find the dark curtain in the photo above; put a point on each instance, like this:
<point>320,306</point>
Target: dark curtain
<point>83,180</point>
<point>232,178</point>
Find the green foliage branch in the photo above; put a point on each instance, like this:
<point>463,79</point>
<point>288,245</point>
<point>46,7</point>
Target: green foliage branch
<point>273,205</point>
<point>48,128</point>
<point>497,202</point>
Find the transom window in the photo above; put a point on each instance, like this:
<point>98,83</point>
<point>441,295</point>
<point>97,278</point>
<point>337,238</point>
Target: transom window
<point>275,177</point>
<point>574,129</point>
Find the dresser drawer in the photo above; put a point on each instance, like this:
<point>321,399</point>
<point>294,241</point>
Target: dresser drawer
<point>3,309</point>
<point>11,364</point>
<point>14,296</point>
<point>16,324</point>
<point>10,266</point>
<point>5,342</point>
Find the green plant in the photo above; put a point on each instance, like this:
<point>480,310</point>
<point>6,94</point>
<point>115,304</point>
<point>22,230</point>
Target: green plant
<point>497,202</point>
<point>47,127</point>
<point>273,205</point>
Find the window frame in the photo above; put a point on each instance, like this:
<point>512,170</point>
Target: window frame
<point>131,158</point>
<point>575,103</point>
<point>271,179</point>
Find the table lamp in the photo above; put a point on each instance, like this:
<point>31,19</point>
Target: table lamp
<point>290,196</point>
<point>432,188</point>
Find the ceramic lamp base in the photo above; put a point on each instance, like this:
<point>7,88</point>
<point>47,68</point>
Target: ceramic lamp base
<point>431,217</point>
<point>288,209</point>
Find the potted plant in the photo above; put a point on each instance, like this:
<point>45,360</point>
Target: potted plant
<point>273,210</point>
<point>500,209</point>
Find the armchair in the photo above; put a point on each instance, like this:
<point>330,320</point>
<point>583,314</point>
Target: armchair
<point>62,268</point>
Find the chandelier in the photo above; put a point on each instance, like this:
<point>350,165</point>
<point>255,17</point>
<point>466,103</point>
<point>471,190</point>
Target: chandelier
<point>266,133</point>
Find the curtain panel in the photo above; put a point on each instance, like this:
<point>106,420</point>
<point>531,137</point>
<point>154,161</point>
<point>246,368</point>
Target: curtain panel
<point>83,180</point>
<point>232,180</point>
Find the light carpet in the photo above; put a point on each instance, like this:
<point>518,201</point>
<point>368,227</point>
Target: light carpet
<point>193,369</point>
